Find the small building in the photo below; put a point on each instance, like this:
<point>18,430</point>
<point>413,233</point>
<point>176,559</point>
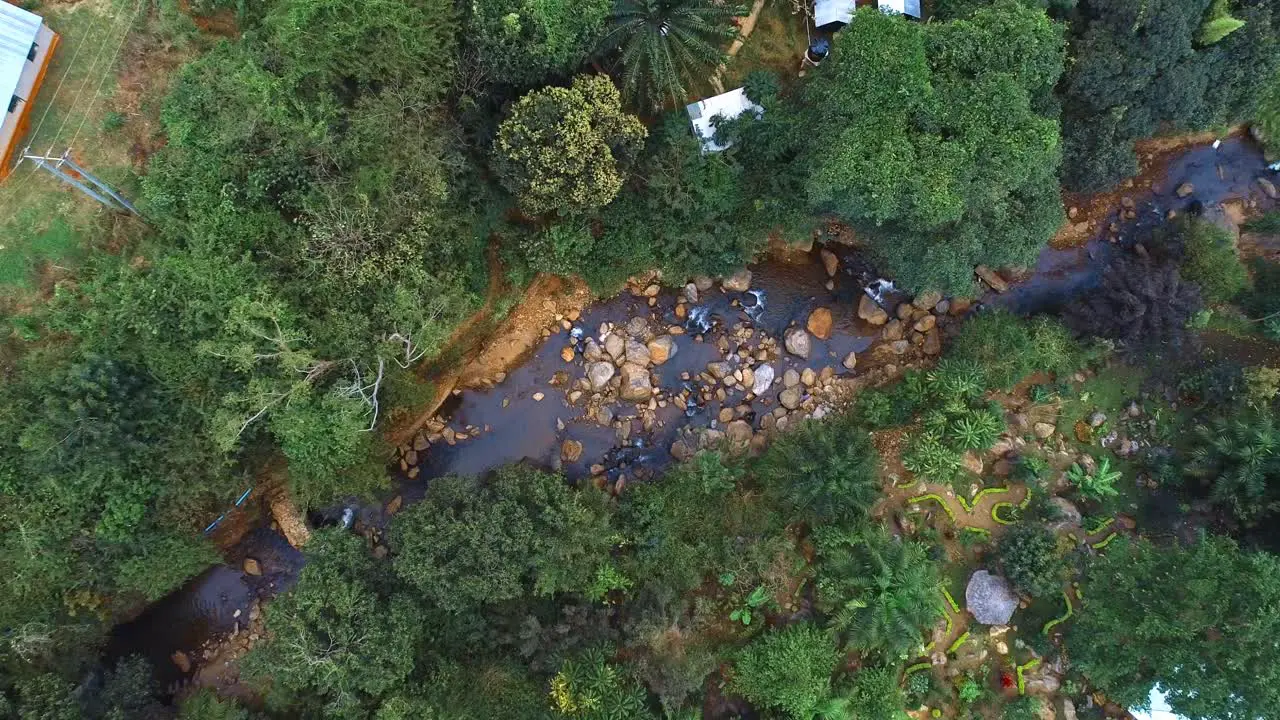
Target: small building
<point>831,15</point>
<point>725,106</point>
<point>910,8</point>
<point>26,47</point>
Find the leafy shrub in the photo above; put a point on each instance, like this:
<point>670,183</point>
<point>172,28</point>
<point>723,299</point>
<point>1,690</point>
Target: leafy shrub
<point>788,669</point>
<point>1211,261</point>
<point>523,531</point>
<point>881,591</point>
<point>822,472</point>
<point>206,705</point>
<point>1029,557</point>
<point>1239,458</point>
<point>919,685</point>
<point>874,693</point>
<point>1097,485</point>
<point>1026,707</point>
<point>929,458</point>
<point>591,688</point>
<point>1007,348</point>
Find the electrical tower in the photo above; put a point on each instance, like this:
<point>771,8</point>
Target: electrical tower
<point>66,170</point>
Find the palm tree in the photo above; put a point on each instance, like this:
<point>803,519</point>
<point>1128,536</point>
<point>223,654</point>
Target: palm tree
<point>880,590</point>
<point>664,44</point>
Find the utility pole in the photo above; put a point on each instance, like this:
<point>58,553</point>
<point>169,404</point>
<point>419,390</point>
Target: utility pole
<point>82,180</point>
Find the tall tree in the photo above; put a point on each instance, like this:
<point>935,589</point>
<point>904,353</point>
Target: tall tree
<point>666,45</point>
<point>566,148</point>
<point>522,42</point>
<point>1200,622</point>
<point>939,139</point>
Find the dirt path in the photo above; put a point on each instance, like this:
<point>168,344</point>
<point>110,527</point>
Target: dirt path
<point>744,31</point>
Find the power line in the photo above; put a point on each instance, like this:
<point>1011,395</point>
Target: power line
<point>49,106</point>
<point>88,76</point>
<point>107,73</point>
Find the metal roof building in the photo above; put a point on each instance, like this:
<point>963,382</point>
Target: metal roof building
<point>910,8</point>
<point>726,106</point>
<point>831,15</point>
<point>26,46</point>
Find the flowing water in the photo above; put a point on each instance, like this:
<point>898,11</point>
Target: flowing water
<point>515,425</point>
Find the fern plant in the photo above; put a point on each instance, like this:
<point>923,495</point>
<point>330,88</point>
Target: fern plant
<point>930,459</point>
<point>664,45</point>
<point>977,429</point>
<point>1241,460</point>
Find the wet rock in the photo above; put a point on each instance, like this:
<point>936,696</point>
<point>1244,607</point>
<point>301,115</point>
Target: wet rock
<point>1068,514</point>
<point>1043,430</point>
<point>1268,188</point>
<point>790,378</point>
<point>763,379</point>
<point>927,300</point>
<point>737,282</point>
<point>899,347</point>
<point>960,306</point>
<point>681,451</point>
<point>538,396</point>
<point>691,293</point>
<point>591,351</point>
<point>871,312</point>
<point>1184,190</point>
<point>652,291</point>
<point>797,342</point>
<point>637,326</point>
<point>932,343</point>
<point>1134,410</point>
<point>1068,709</point>
<point>991,278</point>
<point>637,353</point>
<point>181,661</point>
<point>571,451</point>
<point>893,330</point>
<point>850,361</point>
<point>636,385</point>
<point>830,262</point>
<point>615,345</point>
<point>808,377</point>
<point>926,323</point>
<point>394,505</point>
<point>971,462</point>
<point>599,374</point>
<point>567,353</point>
<point>790,398</point>
<point>748,378</point>
<point>420,442</point>
<point>943,307</point>
<point>726,415</point>
<point>819,323</point>
<point>719,370</point>
<point>990,598</point>
<point>252,567</point>
<point>702,282</point>
<point>1002,468</point>
<point>604,415</point>
<point>662,349</point>
<point>739,431</point>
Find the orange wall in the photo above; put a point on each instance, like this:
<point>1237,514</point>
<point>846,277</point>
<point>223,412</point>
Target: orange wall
<point>24,116</point>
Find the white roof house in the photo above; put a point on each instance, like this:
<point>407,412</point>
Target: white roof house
<point>832,14</point>
<point>726,106</point>
<point>910,8</point>
<point>26,45</point>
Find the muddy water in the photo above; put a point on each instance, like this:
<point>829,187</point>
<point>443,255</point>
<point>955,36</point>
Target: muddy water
<point>1228,172</point>
<point>516,426</point>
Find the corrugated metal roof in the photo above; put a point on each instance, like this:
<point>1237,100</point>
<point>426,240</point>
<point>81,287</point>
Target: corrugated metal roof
<point>18,30</point>
<point>826,12</point>
<point>727,106</point>
<point>910,8</point>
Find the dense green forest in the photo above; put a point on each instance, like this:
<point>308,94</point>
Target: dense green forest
<point>342,186</point>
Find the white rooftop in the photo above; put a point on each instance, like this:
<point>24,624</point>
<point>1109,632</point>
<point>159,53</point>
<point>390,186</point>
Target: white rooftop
<point>910,8</point>
<point>826,12</point>
<point>18,30</point>
<point>727,106</point>
<point>1160,709</point>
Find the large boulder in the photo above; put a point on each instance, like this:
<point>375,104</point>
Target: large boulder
<point>819,323</point>
<point>870,311</point>
<point>797,342</point>
<point>791,397</point>
<point>615,345</point>
<point>599,374</point>
<point>763,379</point>
<point>661,349</point>
<point>990,598</point>
<point>830,262</point>
<point>737,282</point>
<point>636,386</point>
<point>1268,188</point>
<point>637,353</point>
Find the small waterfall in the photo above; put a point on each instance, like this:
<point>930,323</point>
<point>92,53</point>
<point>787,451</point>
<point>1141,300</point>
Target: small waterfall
<point>879,289</point>
<point>757,309</point>
<point>700,320</point>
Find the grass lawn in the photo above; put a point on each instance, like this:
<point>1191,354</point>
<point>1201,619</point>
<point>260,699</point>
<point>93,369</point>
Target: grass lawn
<point>777,44</point>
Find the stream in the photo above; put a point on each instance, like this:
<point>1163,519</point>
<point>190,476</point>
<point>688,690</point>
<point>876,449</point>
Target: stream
<point>528,416</point>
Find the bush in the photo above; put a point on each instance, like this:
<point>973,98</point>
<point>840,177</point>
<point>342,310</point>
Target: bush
<point>470,542</point>
<point>822,472</point>
<point>591,688</point>
<point>1211,261</point>
<point>788,670</point>
<point>1142,303</point>
<point>881,591</point>
<point>874,693</point>
<point>1007,348</point>
<point>1029,557</point>
<point>1026,707</point>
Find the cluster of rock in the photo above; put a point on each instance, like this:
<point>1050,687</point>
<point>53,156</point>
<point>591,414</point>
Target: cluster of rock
<point>434,432</point>
<point>917,324</point>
